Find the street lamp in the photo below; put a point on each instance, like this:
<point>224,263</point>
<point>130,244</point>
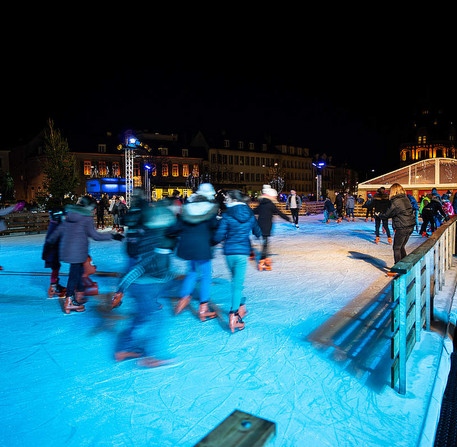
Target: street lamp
<point>319,166</point>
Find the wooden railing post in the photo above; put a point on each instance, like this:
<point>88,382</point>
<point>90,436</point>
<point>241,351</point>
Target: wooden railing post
<point>400,285</point>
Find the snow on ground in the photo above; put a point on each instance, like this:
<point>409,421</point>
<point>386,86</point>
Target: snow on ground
<point>63,387</point>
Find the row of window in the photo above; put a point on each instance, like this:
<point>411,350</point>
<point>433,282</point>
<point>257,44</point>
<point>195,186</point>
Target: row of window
<point>240,160</point>
<point>101,169</point>
<point>174,170</point>
<point>292,150</point>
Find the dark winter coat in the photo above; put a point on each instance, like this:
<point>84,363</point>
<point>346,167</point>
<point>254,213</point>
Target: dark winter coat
<point>197,224</point>
<point>50,252</point>
<point>328,206</point>
<point>235,228</point>
<point>435,207</point>
<point>265,212</point>
<point>401,212</point>
<point>339,202</point>
<point>101,206</point>
<point>368,204</point>
<point>381,202</point>
<point>73,235</point>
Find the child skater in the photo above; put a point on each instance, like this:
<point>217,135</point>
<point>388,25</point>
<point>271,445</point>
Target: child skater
<point>73,236</point>
<point>235,227</point>
<point>51,254</point>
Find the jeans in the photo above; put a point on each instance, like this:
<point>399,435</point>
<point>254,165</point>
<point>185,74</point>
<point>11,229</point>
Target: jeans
<point>145,334</point>
<point>198,270</point>
<point>237,267</point>
<point>264,253</point>
<point>400,239</point>
<point>427,218</point>
<point>377,224</point>
<point>75,281</point>
<point>350,212</point>
<point>294,212</point>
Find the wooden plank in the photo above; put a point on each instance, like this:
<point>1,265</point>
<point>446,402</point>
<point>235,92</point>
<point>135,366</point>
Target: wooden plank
<point>395,370</point>
<point>240,429</point>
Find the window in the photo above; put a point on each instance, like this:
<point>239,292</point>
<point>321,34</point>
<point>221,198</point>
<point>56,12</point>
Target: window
<point>264,147</point>
<point>240,145</point>
<point>102,167</point>
<point>102,148</point>
<point>136,169</point>
<point>195,171</point>
<point>185,152</point>
<point>185,170</point>
<point>213,158</point>
<point>175,170</point>
<point>226,143</point>
<point>230,159</point>
<point>87,165</point>
<point>165,170</point>
<point>116,170</point>
<point>163,150</point>
<point>251,146</point>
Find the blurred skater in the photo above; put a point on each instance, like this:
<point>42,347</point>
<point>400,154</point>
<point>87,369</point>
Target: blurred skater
<point>198,223</point>
<point>73,237</point>
<point>147,279</point>
<point>403,220</point>
<point>265,212</point>
<point>50,254</point>
<point>339,206</point>
<point>9,209</point>
<point>235,227</point>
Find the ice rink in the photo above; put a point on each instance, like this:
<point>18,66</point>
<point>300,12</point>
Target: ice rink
<point>62,387</point>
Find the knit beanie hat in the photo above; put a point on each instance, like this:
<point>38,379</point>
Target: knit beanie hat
<point>207,190</point>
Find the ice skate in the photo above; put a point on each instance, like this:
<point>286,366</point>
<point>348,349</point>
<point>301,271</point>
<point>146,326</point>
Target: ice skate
<point>263,265</point>
<point>389,240</point>
<point>242,311</point>
<point>80,298</point>
<point>120,356</point>
<point>116,300</point>
<point>366,220</point>
<point>182,304</point>
<point>377,240</point>
<point>268,263</point>
<point>204,313</point>
<point>56,289</point>
<point>70,305</point>
<point>235,322</point>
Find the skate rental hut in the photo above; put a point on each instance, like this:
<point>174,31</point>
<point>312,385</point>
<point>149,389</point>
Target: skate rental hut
<point>418,178</point>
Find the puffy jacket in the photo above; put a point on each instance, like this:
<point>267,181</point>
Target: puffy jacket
<point>435,207</point>
<point>73,235</point>
<point>266,210</point>
<point>297,201</point>
<point>448,208</point>
<point>401,212</point>
<point>235,228</point>
<point>413,201</point>
<point>350,202</point>
<point>381,202</point>
<point>197,224</point>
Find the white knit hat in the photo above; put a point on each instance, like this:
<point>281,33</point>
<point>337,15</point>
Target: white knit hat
<point>266,189</point>
<point>207,190</point>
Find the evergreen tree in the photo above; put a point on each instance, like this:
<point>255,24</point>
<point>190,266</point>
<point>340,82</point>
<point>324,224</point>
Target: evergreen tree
<point>60,178</point>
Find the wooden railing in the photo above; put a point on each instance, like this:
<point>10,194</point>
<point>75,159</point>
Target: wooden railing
<point>420,276</point>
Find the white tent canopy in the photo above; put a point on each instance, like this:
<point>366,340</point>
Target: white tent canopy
<point>439,173</point>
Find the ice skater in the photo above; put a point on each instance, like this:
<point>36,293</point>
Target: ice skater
<point>403,221</point>
<point>5,211</point>
<point>50,254</point>
<point>73,237</point>
<point>380,205</point>
<point>350,205</point>
<point>293,203</point>
<point>235,228</point>
<point>265,211</point>
<point>339,206</point>
<point>146,280</point>
<point>198,223</point>
<point>430,213</point>
<point>329,210</point>
<point>369,207</point>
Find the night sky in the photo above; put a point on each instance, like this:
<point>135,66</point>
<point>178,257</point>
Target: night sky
<point>350,107</point>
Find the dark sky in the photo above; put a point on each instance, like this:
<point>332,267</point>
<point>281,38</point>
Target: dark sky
<point>348,107</point>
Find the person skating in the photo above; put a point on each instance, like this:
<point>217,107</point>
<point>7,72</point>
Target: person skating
<point>369,207</point>
<point>339,206</point>
<point>447,205</point>
<point>73,237</point>
<point>350,205</point>
<point>403,220</point>
<point>148,277</point>
<point>101,206</point>
<point>380,205</point>
<point>329,209</point>
<point>293,203</point>
<point>50,254</point>
<point>429,213</point>
<point>235,228</point>
<point>197,223</point>
<point>265,211</point>
<point>415,206</point>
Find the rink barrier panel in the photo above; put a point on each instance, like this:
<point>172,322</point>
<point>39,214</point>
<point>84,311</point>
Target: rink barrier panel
<point>29,223</point>
<point>420,276</point>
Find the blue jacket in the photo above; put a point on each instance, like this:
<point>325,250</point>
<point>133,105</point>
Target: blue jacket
<point>413,202</point>
<point>235,228</point>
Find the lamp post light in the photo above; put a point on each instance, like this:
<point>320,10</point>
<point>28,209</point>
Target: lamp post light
<point>319,166</point>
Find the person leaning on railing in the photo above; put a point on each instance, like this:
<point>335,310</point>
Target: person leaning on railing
<point>403,219</point>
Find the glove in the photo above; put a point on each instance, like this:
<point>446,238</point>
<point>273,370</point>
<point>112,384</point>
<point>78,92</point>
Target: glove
<point>18,207</point>
<point>118,236</point>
